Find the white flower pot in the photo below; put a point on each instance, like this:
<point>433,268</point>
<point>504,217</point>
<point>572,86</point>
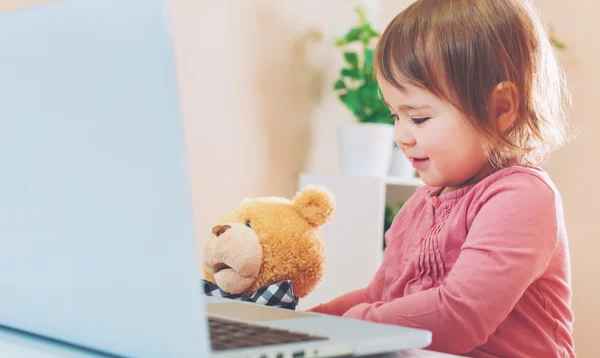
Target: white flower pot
<point>400,166</point>
<point>365,149</point>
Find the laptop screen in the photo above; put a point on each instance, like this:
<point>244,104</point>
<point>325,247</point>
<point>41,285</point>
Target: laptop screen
<point>96,225</point>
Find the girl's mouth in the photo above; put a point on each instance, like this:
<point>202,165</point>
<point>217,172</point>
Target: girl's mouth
<point>419,163</point>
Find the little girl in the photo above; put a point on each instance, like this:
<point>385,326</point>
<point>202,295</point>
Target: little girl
<point>479,256</point>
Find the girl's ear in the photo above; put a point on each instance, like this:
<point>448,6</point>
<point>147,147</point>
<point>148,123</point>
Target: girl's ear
<point>505,102</point>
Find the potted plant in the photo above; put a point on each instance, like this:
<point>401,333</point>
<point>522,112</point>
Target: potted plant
<point>365,145</point>
<point>390,213</point>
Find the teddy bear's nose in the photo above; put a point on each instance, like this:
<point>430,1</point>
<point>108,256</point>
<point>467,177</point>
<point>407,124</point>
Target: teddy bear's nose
<point>219,229</point>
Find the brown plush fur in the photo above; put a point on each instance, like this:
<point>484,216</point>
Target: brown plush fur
<point>288,233</point>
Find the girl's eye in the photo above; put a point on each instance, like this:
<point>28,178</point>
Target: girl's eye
<point>419,120</point>
<point>248,224</point>
<point>416,120</point>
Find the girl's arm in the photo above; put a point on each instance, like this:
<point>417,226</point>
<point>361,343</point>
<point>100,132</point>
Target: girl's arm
<point>343,303</point>
<point>509,245</point>
<point>371,293</point>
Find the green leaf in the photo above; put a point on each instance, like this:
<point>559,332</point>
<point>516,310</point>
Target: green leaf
<point>351,100</point>
<point>367,33</point>
<point>559,45</point>
<point>370,31</point>
<point>380,112</point>
<point>353,34</point>
<point>362,14</point>
<point>339,84</point>
<point>369,59</point>
<point>367,96</point>
<point>350,73</point>
<point>352,59</point>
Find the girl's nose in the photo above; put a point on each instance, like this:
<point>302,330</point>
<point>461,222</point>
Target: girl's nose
<point>403,136</point>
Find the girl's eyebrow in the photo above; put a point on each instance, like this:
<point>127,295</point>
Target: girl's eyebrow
<point>406,107</point>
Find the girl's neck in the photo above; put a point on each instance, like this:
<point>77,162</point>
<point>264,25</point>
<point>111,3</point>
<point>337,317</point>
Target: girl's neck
<point>480,175</point>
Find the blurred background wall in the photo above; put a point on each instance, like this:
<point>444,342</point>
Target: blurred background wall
<point>256,83</point>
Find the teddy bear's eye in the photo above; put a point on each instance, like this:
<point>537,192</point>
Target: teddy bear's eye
<point>248,224</point>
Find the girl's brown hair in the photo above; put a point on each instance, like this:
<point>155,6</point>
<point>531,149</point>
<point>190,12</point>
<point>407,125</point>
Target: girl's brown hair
<point>460,50</point>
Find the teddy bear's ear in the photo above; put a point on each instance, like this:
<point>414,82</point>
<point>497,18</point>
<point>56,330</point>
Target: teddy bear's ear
<point>315,204</point>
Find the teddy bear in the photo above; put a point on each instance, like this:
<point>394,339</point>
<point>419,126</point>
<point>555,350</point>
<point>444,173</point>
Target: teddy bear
<point>267,241</point>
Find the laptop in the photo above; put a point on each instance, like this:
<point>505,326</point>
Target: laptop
<point>97,232</point>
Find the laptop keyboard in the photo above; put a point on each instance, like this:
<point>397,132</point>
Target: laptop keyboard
<point>226,334</point>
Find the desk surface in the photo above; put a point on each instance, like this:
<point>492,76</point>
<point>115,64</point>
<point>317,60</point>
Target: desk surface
<point>414,354</point>
<point>15,344</point>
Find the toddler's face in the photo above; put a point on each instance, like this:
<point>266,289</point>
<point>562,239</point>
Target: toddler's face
<point>443,146</point>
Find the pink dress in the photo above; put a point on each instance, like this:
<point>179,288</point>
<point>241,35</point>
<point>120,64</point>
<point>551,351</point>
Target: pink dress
<point>485,268</point>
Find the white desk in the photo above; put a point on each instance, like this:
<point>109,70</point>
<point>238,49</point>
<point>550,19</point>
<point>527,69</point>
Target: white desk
<point>14,344</point>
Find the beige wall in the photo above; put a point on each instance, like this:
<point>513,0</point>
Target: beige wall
<point>252,76</point>
<point>256,79</point>
<point>576,169</point>
<point>11,5</point>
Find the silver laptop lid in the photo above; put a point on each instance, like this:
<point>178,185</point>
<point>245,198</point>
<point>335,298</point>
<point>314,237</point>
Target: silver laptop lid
<point>97,240</point>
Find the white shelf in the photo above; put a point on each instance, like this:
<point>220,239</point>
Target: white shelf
<point>354,237</point>
<point>391,180</point>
